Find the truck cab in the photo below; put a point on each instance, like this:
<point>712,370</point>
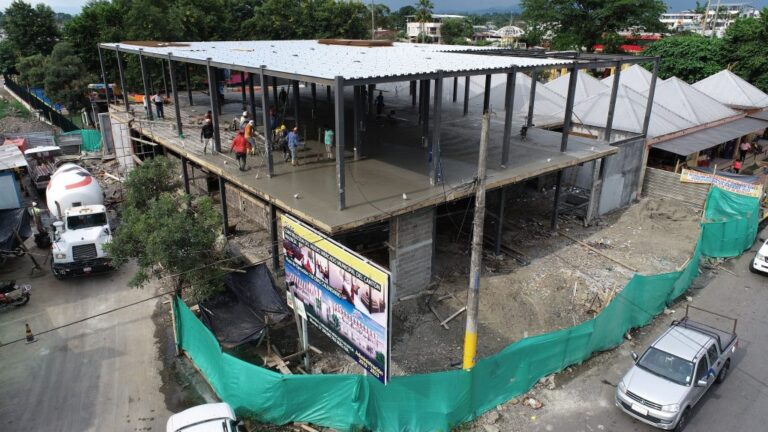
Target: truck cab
<point>675,372</point>
<point>212,417</point>
<point>79,239</point>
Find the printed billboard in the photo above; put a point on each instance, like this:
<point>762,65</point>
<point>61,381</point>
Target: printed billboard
<point>729,184</point>
<point>344,295</point>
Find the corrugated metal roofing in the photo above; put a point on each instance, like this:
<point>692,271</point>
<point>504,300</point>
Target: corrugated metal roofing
<point>635,77</point>
<point>713,136</point>
<point>730,89</point>
<point>11,157</point>
<point>629,113</point>
<point>547,103</point>
<point>760,114</point>
<point>312,59</point>
<point>586,85</point>
<point>688,102</point>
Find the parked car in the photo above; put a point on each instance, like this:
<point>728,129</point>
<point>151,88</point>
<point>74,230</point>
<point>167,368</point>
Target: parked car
<point>212,417</point>
<point>760,262</point>
<point>675,372</point>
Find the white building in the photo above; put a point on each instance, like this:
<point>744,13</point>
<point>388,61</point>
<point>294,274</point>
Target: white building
<point>431,29</point>
<point>710,21</point>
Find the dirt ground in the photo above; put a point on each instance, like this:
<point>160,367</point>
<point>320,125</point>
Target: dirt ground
<point>16,121</point>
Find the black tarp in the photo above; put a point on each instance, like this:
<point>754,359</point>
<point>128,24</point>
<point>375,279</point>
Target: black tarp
<point>237,315</point>
<point>10,220</point>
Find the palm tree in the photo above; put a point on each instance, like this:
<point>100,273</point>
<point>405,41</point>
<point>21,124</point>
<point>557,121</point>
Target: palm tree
<point>424,13</point>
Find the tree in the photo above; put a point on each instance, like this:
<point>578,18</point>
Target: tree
<point>423,15</point>
<point>745,49</point>
<point>66,79</point>
<point>456,31</point>
<point>30,30</point>
<point>98,21</point>
<point>689,58</point>
<point>32,70</point>
<point>168,234</point>
<point>580,24</point>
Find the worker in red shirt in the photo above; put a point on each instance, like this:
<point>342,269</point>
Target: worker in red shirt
<point>240,146</point>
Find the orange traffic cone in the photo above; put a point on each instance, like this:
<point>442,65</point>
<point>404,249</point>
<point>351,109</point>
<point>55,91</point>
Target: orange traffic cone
<point>30,337</point>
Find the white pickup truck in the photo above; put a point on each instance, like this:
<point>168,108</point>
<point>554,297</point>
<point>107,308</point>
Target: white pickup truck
<point>675,371</point>
<point>212,417</point>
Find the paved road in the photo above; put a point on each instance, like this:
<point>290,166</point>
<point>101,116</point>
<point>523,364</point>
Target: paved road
<point>583,400</point>
<point>102,374</point>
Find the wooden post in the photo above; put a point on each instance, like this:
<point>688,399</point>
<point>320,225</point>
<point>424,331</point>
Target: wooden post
<point>473,296</point>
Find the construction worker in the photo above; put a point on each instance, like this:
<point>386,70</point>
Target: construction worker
<point>206,134</point>
<point>248,133</point>
<point>240,146</point>
<point>328,141</point>
<point>243,120</point>
<point>293,144</point>
<point>158,100</point>
<point>34,211</point>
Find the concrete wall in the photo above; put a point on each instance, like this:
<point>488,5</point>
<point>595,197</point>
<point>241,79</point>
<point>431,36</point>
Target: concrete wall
<point>411,241</point>
<point>121,139</point>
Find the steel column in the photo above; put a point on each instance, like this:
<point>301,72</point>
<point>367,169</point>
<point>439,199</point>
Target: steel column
<point>466,95</point>
<point>455,87</point>
<point>569,106</point>
<point>371,91</point>
<point>313,87</point>
<point>340,139</point>
<point>188,80</point>
<point>436,167</point>
<point>509,102</point>
<point>162,71</point>
<point>612,103</point>
<point>651,94</point>
<point>267,126</point>
<point>274,241</point>
<point>274,93</point>
<point>413,93</point>
<point>184,175</point>
<point>174,89</point>
<point>556,208</point>
<point>487,94</point>
<point>296,98</point>
<point>242,89</point>
<point>214,93</point>
<point>121,71</point>
<point>532,97</point>
<point>252,96</point>
<point>145,80</point>
<point>500,220</point>
<point>356,118</point>
<point>103,75</point>
<point>224,210</point>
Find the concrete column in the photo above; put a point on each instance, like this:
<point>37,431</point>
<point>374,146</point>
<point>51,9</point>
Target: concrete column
<point>176,107</point>
<point>556,206</point>
<point>214,93</point>
<point>411,251</point>
<point>436,167</point>
<point>145,81</point>
<point>267,128</point>
<point>532,97</point>
<point>121,71</point>
<point>509,101</point>
<point>340,139</point>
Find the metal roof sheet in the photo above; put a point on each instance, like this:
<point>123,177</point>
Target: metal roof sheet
<point>547,102</point>
<point>635,77</point>
<point>11,157</point>
<point>629,113</point>
<point>707,138</point>
<point>760,114</point>
<point>730,89</point>
<point>586,85</point>
<point>308,58</point>
<point>688,102</point>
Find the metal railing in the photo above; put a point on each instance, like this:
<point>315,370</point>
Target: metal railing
<point>45,110</point>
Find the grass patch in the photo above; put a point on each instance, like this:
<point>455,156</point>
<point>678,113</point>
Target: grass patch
<point>12,108</point>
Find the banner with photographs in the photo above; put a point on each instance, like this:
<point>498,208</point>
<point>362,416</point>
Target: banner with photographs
<point>729,184</point>
<point>344,295</point>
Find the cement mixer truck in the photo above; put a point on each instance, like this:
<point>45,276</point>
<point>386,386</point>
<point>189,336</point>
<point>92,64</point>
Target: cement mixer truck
<point>81,228</point>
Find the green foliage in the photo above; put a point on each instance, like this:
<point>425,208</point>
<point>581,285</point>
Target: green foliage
<point>168,235</point>
<point>66,78</point>
<point>307,19</point>
<point>8,56</point>
<point>580,24</point>
<point>746,49</point>
<point>423,15</point>
<point>98,21</point>
<point>30,30</point>
<point>456,31</point>
<point>32,70</point>
<point>689,58</point>
<point>12,108</point>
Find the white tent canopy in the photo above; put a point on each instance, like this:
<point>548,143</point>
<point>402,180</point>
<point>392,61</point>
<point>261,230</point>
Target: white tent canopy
<point>730,89</point>
<point>688,102</point>
<point>586,85</point>
<point>635,77</point>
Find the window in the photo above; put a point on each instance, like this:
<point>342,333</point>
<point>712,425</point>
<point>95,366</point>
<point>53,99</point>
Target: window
<point>86,221</point>
<point>667,366</point>
<point>712,354</point>
<point>701,369</point>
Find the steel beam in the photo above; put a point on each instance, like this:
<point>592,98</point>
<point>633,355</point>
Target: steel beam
<point>436,167</point>
<point>145,81</point>
<point>267,126</point>
<point>274,237</point>
<point>340,139</point>
<point>224,209</point>
<point>532,97</point>
<point>214,93</point>
<point>509,102</point>
<point>569,107</point>
<point>121,71</point>
<point>500,220</point>
<point>612,103</point>
<point>174,89</point>
<point>487,94</point>
<point>466,95</point>
<point>188,80</point>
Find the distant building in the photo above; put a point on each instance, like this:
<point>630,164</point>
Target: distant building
<point>431,29</point>
<point>711,21</point>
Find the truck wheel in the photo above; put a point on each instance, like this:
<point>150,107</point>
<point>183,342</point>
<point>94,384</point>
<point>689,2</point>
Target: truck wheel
<point>723,372</point>
<point>683,420</point>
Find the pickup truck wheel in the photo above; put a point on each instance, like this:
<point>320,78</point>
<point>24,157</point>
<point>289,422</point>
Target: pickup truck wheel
<point>683,420</point>
<point>723,372</point>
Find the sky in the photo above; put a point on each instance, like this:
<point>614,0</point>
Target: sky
<point>73,6</point>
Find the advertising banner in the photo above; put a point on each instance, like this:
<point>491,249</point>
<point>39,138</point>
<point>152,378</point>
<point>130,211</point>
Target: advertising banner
<point>731,185</point>
<point>344,295</point>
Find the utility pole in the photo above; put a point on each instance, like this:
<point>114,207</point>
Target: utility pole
<point>473,296</point>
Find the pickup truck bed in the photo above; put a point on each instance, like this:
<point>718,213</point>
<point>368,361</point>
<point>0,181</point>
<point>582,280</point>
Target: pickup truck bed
<point>723,338</point>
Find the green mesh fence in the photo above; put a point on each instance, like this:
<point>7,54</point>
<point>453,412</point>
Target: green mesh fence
<point>440,401</point>
<point>91,139</point>
<point>730,223</point>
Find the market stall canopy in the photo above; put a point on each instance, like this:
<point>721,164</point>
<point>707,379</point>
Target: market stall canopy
<point>635,77</point>
<point>730,89</point>
<point>240,313</point>
<point>586,86</point>
<point>707,138</point>
<point>690,103</point>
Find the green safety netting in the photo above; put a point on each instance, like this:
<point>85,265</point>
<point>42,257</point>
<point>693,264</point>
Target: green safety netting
<point>730,223</point>
<point>440,401</point>
<point>91,139</point>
